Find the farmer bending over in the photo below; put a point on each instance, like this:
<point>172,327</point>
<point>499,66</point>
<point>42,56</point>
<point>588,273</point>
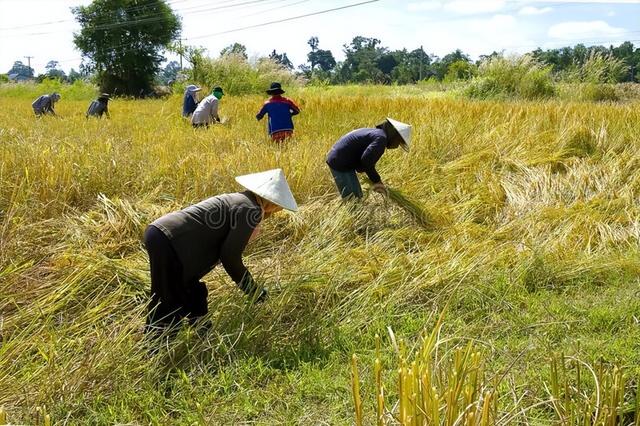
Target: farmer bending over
<point>99,106</point>
<point>207,110</point>
<point>360,150</point>
<point>45,103</point>
<point>185,245</point>
<point>190,100</point>
<point>280,111</point>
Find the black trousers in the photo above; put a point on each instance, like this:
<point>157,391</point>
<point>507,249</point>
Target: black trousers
<point>172,297</point>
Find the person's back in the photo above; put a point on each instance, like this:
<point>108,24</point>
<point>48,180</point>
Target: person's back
<point>203,113</point>
<point>45,103</point>
<point>197,231</point>
<point>280,111</point>
<point>190,101</point>
<point>207,110</point>
<point>358,150</point>
<point>97,108</point>
<point>42,105</point>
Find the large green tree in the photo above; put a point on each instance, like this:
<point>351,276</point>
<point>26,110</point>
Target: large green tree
<point>122,41</point>
<point>235,49</point>
<point>362,61</point>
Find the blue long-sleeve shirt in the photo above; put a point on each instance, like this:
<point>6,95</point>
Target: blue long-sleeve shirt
<point>189,104</point>
<point>359,150</point>
<point>280,110</point>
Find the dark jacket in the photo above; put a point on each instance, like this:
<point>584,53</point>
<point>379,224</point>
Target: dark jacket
<point>43,105</point>
<point>214,230</point>
<point>359,150</point>
<point>97,108</point>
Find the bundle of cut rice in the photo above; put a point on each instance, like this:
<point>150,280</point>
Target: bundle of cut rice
<point>412,207</point>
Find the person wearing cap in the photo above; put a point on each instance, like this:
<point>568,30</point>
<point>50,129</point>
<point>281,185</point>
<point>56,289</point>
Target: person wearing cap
<point>280,111</point>
<point>190,100</point>
<point>207,110</point>
<point>99,106</point>
<point>360,150</point>
<point>185,245</point>
<point>44,104</point>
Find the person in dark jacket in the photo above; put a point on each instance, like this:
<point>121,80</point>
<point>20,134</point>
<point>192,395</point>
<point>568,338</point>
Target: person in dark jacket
<point>190,100</point>
<point>360,150</point>
<point>184,246</point>
<point>280,111</point>
<point>44,104</point>
<point>99,106</point>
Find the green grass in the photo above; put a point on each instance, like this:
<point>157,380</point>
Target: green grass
<point>532,247</point>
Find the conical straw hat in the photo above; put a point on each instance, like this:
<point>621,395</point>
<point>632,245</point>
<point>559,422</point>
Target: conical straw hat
<point>272,186</point>
<point>404,130</point>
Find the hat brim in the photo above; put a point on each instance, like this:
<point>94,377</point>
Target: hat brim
<point>275,92</point>
<point>286,201</point>
<point>405,144</point>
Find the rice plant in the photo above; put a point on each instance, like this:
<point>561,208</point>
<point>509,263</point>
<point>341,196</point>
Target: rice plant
<point>436,386</point>
<point>520,218</point>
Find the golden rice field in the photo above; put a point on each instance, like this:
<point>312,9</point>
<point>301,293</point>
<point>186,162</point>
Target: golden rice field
<point>498,285</point>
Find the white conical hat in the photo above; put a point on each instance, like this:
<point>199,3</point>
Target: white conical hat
<point>404,130</point>
<point>272,186</point>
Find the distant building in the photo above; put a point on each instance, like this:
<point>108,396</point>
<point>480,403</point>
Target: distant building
<point>18,77</point>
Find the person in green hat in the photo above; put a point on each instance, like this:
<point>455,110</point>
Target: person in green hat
<point>207,110</point>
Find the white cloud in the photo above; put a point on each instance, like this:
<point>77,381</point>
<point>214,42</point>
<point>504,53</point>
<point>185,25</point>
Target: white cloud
<point>471,7</point>
<point>462,7</point>
<point>424,6</point>
<point>476,36</point>
<point>593,1</point>
<point>531,10</point>
<point>584,29</point>
<point>611,13</point>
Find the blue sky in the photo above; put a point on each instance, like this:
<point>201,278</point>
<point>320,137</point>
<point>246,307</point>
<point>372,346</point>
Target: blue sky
<point>43,28</point>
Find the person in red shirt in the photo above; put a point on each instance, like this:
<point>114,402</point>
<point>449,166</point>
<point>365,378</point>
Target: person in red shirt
<point>280,111</point>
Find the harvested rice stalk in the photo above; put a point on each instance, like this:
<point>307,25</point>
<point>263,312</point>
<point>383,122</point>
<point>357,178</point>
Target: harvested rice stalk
<point>412,207</point>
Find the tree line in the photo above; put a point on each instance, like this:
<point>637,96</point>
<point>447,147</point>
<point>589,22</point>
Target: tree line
<point>368,61</point>
<point>135,67</point>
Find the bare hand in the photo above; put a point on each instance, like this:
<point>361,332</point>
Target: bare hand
<point>380,188</point>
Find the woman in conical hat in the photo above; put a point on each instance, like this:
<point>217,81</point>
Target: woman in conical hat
<point>185,245</point>
<point>358,152</point>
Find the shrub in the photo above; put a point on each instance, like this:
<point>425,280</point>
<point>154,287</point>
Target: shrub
<point>598,92</point>
<point>521,77</point>
<point>79,90</point>
<point>596,77</point>
<point>237,76</point>
<point>460,70</point>
<point>598,68</point>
